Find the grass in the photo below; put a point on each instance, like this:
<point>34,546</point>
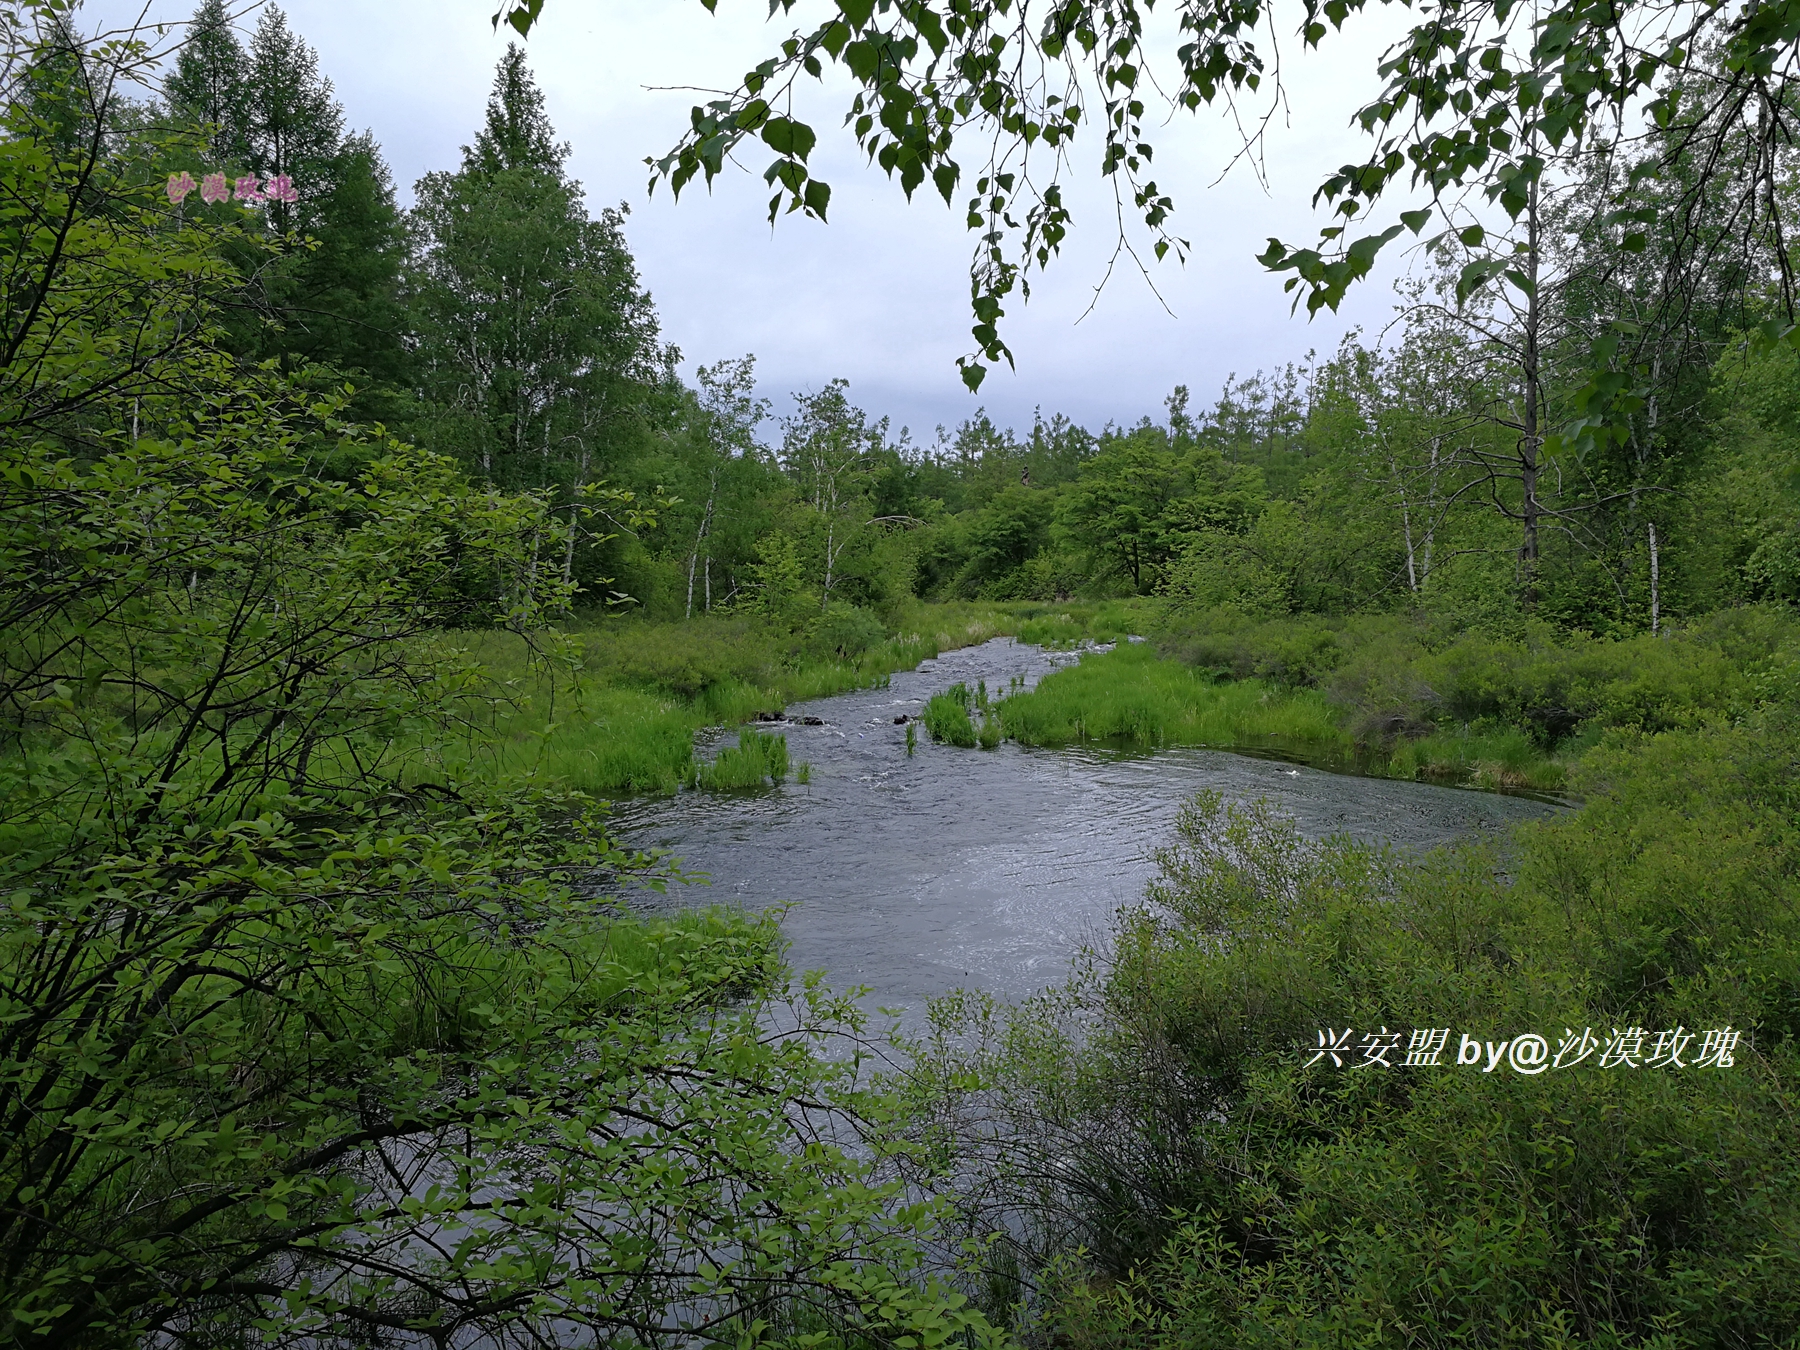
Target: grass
<point>757,760</point>
<point>611,707</point>
<point>1131,695</point>
<point>947,717</point>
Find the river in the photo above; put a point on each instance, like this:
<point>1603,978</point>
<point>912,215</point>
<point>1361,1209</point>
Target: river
<point>915,875</point>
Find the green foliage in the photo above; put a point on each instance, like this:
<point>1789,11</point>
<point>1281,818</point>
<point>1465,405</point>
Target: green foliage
<point>1515,103</point>
<point>1140,495</point>
<point>1400,677</point>
<point>511,277</point>
<point>846,632</point>
<point>329,297</point>
<point>1162,1111</point>
<point>758,759</point>
<point>946,717</point>
<point>1130,694</point>
<point>301,1043</point>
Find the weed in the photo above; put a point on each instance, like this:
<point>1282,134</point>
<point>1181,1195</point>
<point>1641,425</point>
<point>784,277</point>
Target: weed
<point>947,717</point>
<point>758,759</point>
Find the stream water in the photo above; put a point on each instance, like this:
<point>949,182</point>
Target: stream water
<point>915,875</point>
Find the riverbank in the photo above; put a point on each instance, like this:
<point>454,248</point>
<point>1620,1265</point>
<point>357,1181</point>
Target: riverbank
<point>611,707</point>
<point>1397,697</point>
<point>1134,696</point>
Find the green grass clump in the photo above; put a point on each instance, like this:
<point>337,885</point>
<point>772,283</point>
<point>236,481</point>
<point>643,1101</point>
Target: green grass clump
<point>1131,695</point>
<point>991,732</point>
<point>600,741</point>
<point>1499,757</point>
<point>758,759</point>
<point>947,717</point>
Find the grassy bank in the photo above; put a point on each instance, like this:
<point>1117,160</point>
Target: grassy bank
<point>612,707</point>
<point>1399,697</point>
<point>1133,695</point>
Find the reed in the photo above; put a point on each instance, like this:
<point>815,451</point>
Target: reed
<point>947,717</point>
<point>758,759</point>
<point>1133,696</point>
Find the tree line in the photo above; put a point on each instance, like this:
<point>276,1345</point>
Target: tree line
<point>1468,457</point>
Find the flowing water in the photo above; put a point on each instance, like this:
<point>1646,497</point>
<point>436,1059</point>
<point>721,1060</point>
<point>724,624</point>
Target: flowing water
<point>915,875</point>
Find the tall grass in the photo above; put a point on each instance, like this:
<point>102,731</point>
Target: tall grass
<point>1129,694</point>
<point>599,740</point>
<point>611,706</point>
<point>1069,624</point>
<point>758,759</point>
<point>1132,695</point>
<point>947,717</point>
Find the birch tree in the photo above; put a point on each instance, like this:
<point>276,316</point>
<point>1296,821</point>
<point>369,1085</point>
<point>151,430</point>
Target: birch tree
<point>826,449</point>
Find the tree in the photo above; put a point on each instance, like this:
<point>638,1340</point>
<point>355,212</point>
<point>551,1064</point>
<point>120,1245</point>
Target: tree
<point>332,299</point>
<point>294,125</point>
<point>535,344</point>
<point>101,298</point>
<point>725,439</point>
<point>299,1042</point>
<point>826,448</point>
<point>210,85</point>
<point>1144,491</point>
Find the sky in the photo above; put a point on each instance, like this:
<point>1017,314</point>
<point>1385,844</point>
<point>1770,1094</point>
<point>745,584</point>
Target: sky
<point>879,295</point>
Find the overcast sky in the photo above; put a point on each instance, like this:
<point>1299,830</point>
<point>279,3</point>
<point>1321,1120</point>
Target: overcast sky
<point>879,295</point>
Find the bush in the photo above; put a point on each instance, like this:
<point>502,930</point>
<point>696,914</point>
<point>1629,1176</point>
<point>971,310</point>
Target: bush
<point>1193,1180</point>
<point>846,632</point>
<point>1400,677</point>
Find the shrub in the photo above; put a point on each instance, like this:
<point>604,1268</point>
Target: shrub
<point>846,632</point>
<point>1188,1178</point>
<point>947,717</point>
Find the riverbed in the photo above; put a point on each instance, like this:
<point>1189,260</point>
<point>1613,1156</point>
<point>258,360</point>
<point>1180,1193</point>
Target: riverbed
<point>913,875</point>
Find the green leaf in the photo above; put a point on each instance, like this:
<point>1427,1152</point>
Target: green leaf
<point>787,137</point>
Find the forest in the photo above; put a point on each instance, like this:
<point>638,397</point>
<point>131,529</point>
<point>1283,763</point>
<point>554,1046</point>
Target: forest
<point>355,557</point>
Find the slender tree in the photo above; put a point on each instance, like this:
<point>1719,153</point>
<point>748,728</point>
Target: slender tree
<point>536,346</point>
<point>210,84</point>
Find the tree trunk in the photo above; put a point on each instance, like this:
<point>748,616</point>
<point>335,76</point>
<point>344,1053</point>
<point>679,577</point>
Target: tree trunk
<point>1431,506</point>
<point>1406,531</point>
<point>700,537</point>
<point>581,470</point>
<point>1655,581</point>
